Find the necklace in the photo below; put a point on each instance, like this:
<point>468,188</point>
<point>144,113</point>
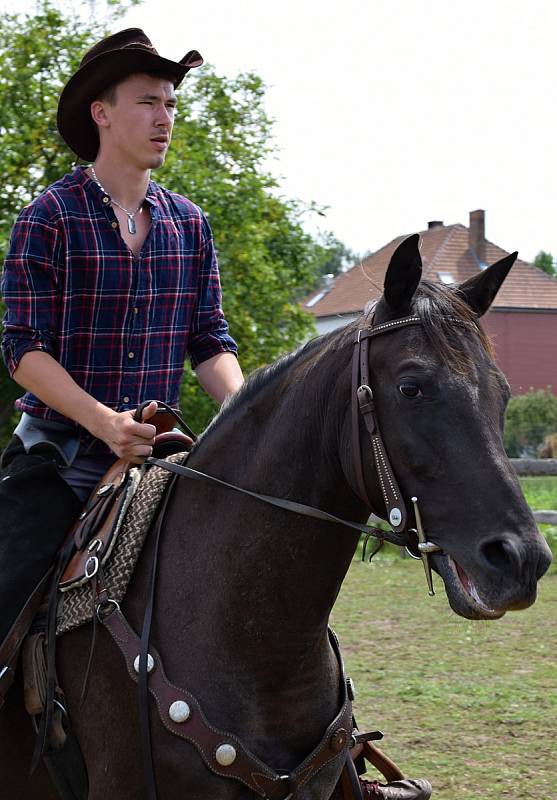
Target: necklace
<point>131,214</point>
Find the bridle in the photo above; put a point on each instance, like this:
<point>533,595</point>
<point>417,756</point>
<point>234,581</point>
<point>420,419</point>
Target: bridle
<point>363,407</point>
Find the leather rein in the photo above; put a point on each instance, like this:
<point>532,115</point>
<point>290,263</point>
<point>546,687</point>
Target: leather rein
<point>362,409</point>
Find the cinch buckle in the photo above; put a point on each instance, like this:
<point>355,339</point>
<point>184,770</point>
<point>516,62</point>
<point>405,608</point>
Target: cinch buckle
<point>365,397</point>
<point>286,778</point>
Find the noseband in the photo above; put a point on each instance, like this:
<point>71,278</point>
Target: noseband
<point>363,406</point>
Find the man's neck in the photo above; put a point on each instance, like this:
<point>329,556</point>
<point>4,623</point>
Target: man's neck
<point>124,183</point>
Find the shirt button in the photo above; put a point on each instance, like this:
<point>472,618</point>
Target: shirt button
<point>114,224</point>
<point>126,399</point>
<point>130,354</point>
<point>136,310</point>
<point>106,200</point>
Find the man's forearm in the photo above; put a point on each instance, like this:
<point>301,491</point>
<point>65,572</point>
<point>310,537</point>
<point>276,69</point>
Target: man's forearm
<point>220,375</point>
<point>42,375</point>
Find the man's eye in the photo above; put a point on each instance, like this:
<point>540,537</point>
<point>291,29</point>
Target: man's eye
<point>409,389</point>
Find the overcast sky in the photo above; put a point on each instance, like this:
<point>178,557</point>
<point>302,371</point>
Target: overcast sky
<point>394,112</point>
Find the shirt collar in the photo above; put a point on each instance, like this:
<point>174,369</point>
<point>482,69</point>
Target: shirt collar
<point>81,176</point>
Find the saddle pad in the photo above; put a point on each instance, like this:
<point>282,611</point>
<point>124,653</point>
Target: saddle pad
<point>75,605</point>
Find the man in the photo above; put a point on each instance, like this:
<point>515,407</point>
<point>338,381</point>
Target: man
<point>109,283</point>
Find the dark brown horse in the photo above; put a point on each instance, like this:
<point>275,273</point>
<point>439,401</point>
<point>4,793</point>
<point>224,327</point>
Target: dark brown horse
<point>245,590</point>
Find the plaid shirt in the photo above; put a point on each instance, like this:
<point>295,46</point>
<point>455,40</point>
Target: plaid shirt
<point>120,325</point>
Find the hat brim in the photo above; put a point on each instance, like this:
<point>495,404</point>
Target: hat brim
<point>74,108</point>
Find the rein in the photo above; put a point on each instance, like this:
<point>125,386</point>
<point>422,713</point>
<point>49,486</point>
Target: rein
<point>363,407</point>
<point>287,505</point>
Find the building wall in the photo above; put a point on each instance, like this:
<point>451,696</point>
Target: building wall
<point>525,347</point>
<point>326,324</point>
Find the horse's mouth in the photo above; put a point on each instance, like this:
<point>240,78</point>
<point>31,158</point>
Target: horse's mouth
<point>462,592</point>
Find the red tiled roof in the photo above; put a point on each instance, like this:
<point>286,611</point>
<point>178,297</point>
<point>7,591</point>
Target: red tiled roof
<point>444,248</point>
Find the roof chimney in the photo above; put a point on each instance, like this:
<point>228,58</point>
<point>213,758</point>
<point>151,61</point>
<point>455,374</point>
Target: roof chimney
<point>435,223</point>
<point>476,235</point>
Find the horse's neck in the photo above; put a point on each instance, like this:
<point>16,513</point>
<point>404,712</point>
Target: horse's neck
<point>272,567</point>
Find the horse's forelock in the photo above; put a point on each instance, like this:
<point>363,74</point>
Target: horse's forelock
<point>447,322</point>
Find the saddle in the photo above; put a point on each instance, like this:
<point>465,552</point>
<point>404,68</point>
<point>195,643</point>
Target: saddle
<point>96,530</point>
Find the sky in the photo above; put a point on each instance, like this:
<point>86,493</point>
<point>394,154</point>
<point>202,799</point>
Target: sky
<point>391,113</point>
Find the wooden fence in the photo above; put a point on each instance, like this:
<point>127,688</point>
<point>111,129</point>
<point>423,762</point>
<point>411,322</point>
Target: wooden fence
<point>530,467</point>
<point>536,467</point>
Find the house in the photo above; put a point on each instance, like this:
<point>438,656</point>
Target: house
<point>522,321</point>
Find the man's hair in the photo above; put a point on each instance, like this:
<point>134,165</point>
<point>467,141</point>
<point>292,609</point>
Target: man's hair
<point>108,95</point>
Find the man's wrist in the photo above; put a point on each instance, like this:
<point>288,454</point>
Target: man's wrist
<point>97,420</point>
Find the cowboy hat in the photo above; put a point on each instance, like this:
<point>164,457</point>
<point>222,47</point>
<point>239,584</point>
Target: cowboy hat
<point>107,63</point>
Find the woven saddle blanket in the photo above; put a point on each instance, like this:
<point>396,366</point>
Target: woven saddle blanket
<point>75,605</point>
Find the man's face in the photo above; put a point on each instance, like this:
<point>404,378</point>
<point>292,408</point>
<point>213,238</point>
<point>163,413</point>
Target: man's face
<point>138,126</point>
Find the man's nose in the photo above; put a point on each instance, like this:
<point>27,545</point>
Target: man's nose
<point>165,117</point>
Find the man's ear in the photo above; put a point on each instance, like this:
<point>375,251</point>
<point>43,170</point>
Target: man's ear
<point>479,291</point>
<point>98,114</point>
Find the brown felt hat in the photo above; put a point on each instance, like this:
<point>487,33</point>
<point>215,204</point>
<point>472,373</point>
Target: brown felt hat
<point>107,63</point>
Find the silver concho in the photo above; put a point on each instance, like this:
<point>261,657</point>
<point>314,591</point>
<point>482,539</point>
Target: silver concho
<point>395,517</point>
<point>150,663</point>
<point>225,755</point>
<point>179,711</point>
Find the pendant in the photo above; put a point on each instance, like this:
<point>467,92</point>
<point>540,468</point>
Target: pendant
<point>131,225</point>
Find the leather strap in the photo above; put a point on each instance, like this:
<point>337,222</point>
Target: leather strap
<point>246,767</point>
<point>10,647</point>
<point>164,409</point>
<point>287,505</point>
<point>363,405</point>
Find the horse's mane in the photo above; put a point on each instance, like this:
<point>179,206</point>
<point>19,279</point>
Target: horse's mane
<point>259,379</point>
<point>438,307</point>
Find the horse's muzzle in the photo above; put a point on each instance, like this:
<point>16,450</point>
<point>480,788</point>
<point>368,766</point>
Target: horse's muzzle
<point>502,577</point>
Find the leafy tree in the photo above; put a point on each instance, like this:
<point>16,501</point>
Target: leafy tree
<point>336,257</point>
<point>529,419</point>
<point>545,262</point>
<point>222,138</point>
<point>220,141</point>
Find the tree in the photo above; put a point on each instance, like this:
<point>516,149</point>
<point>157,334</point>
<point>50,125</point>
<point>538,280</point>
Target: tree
<point>222,138</point>
<point>528,420</point>
<point>546,262</point>
<point>336,256</point>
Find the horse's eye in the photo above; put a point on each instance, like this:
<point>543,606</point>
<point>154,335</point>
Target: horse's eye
<point>409,390</point>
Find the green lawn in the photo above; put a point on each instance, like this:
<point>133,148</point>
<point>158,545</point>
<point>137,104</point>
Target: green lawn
<point>472,706</point>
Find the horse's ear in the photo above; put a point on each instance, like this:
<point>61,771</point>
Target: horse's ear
<point>479,292</point>
<point>403,275</point>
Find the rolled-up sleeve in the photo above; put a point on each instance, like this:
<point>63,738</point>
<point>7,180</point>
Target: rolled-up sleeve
<point>29,288</point>
<point>209,334</point>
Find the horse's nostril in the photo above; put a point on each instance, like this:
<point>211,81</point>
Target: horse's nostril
<point>500,554</point>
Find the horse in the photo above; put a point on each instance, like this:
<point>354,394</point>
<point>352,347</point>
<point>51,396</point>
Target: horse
<point>245,589</point>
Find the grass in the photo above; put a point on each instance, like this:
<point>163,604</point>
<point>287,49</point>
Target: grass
<point>472,706</point>
<point>541,494</point>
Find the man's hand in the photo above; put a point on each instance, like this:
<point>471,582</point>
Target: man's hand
<point>130,440</point>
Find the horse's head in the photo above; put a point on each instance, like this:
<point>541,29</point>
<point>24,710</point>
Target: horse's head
<point>440,403</point>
